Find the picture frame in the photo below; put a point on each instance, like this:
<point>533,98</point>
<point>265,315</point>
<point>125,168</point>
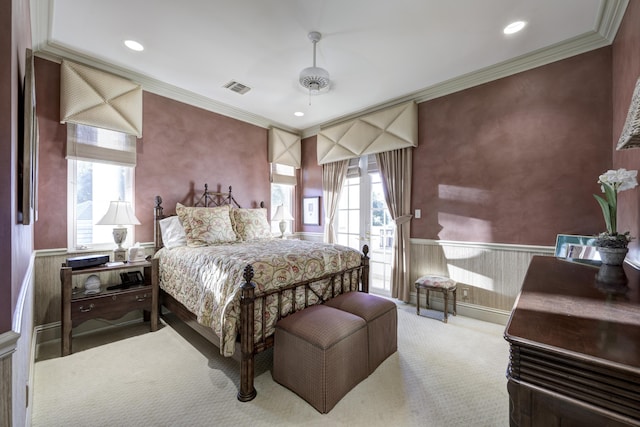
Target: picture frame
<point>577,248</point>
<point>311,210</point>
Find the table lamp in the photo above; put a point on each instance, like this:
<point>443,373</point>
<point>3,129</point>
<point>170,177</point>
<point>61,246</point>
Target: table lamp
<point>119,214</point>
<point>283,216</point>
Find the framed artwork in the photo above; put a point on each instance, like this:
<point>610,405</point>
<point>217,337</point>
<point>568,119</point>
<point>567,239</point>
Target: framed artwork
<point>577,248</point>
<point>311,210</point>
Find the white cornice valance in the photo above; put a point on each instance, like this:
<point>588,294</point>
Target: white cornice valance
<point>385,130</point>
<point>285,148</point>
<point>95,98</point>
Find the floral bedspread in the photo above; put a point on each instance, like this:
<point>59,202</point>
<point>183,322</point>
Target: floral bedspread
<point>207,280</point>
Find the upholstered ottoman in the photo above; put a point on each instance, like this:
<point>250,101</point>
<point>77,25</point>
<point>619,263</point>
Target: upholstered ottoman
<point>381,316</point>
<point>437,283</point>
<point>320,353</point>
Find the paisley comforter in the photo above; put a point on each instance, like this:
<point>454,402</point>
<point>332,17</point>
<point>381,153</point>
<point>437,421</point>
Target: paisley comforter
<point>207,280</point>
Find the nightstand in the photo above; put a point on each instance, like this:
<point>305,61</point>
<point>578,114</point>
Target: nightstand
<point>78,307</point>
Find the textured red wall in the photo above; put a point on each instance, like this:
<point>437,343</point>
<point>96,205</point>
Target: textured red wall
<point>16,240</point>
<point>51,228</point>
<point>516,160</point>
<point>183,147</point>
<point>311,183</point>
<point>626,71</point>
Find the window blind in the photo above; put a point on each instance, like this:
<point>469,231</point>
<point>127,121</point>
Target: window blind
<point>90,143</point>
<point>283,174</point>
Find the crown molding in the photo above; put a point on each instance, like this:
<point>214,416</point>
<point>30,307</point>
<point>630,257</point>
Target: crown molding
<point>41,18</point>
<point>605,29</point>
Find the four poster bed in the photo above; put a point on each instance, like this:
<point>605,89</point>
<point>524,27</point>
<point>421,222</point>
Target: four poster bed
<point>224,275</point>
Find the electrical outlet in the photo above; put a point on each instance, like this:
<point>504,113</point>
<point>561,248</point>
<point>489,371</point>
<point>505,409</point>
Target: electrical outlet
<point>465,292</point>
<point>418,214</point>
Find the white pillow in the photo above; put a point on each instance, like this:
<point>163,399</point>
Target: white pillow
<point>173,234</point>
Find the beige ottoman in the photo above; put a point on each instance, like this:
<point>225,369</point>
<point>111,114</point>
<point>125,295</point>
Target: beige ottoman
<point>381,316</point>
<point>320,353</point>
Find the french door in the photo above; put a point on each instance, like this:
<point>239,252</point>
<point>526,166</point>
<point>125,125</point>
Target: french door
<point>363,218</point>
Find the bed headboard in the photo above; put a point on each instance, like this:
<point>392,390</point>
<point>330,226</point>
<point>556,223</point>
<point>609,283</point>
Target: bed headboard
<point>207,200</point>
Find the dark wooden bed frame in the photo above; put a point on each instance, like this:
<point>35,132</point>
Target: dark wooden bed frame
<point>246,348</point>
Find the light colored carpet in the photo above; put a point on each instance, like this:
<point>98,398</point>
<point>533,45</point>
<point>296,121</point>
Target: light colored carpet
<point>442,375</point>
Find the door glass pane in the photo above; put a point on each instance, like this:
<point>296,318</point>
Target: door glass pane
<point>363,217</point>
<point>382,231</point>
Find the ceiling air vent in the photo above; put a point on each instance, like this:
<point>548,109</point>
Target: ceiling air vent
<point>237,87</point>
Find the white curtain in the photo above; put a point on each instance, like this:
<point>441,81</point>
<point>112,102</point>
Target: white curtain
<point>395,170</point>
<point>333,175</point>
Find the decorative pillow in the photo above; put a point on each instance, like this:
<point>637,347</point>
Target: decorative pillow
<point>206,226</point>
<point>173,234</point>
<point>251,224</point>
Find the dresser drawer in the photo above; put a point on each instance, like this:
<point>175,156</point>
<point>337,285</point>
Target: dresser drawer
<point>110,305</point>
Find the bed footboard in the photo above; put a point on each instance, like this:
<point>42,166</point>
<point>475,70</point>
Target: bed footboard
<point>249,348</point>
<point>247,391</point>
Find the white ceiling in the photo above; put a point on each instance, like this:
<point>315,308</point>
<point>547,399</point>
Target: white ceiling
<point>378,52</point>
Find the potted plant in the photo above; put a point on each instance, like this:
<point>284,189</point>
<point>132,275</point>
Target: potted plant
<point>612,245</point>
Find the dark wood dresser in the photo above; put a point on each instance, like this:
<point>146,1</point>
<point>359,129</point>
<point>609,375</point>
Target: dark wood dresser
<point>574,348</point>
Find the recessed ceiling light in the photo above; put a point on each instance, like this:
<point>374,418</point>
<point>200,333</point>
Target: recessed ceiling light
<point>134,45</point>
<point>298,114</point>
<point>514,27</point>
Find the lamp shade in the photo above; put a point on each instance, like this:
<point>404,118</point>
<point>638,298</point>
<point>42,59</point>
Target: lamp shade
<point>119,213</point>
<point>282,214</point>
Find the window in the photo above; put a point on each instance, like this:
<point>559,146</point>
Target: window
<point>283,181</point>
<point>101,167</point>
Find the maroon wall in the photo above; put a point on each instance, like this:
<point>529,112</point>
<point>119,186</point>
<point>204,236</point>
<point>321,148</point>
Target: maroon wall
<point>16,240</point>
<point>311,181</point>
<point>516,160</point>
<point>183,147</point>
<point>626,70</point>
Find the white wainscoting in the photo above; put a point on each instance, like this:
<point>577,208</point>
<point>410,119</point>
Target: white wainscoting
<point>16,358</point>
<point>491,274</point>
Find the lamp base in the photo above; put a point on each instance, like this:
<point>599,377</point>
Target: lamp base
<point>283,228</point>
<point>119,255</point>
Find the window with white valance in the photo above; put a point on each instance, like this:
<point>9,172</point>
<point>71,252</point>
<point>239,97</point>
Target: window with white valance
<point>285,148</point>
<point>95,98</point>
<point>386,130</point>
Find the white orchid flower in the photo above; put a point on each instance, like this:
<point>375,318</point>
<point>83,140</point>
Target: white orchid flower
<point>612,182</point>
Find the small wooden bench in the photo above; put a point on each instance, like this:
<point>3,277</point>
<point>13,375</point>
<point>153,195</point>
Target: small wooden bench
<point>437,283</point>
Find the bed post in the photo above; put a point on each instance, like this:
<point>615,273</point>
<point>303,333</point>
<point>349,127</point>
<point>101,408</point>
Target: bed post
<point>247,390</point>
<point>157,216</point>
<point>365,269</point>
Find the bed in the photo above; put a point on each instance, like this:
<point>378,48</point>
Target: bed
<point>232,287</point>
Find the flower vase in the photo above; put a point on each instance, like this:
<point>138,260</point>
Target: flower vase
<point>612,256</point>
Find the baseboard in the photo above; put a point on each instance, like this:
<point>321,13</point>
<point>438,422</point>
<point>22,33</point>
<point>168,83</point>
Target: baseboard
<point>53,331</point>
<point>478,312</point>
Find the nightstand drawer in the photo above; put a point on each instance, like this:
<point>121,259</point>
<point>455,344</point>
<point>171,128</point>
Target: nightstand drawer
<point>110,305</point>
